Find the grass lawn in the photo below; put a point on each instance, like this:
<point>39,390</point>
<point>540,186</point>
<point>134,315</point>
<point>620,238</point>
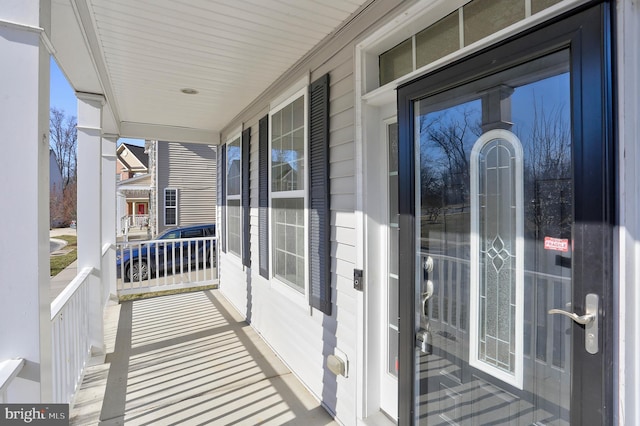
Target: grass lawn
<point>59,262</point>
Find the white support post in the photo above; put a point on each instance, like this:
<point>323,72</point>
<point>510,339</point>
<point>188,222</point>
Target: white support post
<point>109,216</point>
<point>25,320</point>
<point>134,214</point>
<point>90,207</point>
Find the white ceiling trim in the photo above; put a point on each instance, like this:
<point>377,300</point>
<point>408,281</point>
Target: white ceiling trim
<point>168,133</point>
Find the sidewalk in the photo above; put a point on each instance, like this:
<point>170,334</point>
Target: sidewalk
<point>60,281</point>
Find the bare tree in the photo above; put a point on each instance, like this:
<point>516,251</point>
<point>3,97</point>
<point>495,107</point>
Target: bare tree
<point>548,172</point>
<point>63,139</point>
<point>448,138</point>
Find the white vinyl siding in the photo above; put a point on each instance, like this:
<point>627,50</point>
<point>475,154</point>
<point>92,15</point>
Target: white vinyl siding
<point>300,338</point>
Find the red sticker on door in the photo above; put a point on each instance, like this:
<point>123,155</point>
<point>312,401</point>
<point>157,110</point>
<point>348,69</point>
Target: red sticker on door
<point>557,244</point>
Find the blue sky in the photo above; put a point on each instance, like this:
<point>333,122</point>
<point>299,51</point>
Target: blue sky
<point>63,97</point>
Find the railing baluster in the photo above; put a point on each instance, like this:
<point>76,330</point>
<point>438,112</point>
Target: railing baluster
<point>168,258</point>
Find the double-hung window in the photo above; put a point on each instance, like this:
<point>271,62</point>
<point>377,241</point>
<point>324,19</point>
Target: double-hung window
<point>170,207</point>
<point>234,186</point>
<point>288,184</point>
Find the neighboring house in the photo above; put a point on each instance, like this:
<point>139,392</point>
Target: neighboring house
<point>133,188</point>
<point>56,184</point>
<point>184,188</point>
<point>179,190</point>
<point>132,161</point>
<point>133,203</point>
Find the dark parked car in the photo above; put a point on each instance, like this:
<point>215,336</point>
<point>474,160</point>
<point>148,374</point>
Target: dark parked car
<point>138,262</point>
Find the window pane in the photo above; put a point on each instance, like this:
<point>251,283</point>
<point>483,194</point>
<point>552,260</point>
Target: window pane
<point>483,18</point>
<point>234,226</point>
<point>233,168</point>
<point>287,148</point>
<point>170,216</point>
<point>288,248</point>
<point>170,198</point>
<point>538,5</point>
<point>298,113</point>
<point>438,40</point>
<point>396,62</point>
<point>276,124</point>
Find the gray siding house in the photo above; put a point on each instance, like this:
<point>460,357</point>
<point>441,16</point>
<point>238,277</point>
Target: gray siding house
<point>185,191</point>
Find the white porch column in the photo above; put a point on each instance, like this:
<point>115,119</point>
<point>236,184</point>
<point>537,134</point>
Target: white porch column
<point>90,206</point>
<point>109,216</point>
<point>134,213</point>
<point>25,313</point>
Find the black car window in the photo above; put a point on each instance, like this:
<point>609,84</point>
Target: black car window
<point>192,233</point>
<point>171,235</point>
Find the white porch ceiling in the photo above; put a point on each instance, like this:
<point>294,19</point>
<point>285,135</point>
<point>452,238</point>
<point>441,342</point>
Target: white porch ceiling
<point>141,53</point>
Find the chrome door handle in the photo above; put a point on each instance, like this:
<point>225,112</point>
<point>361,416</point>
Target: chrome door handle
<point>580,319</point>
<point>426,295</point>
<point>589,320</point>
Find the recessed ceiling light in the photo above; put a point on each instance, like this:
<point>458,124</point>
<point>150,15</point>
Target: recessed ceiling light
<point>189,91</point>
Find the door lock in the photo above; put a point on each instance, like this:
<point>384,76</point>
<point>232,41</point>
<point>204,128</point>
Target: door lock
<point>423,341</point>
<point>589,320</point>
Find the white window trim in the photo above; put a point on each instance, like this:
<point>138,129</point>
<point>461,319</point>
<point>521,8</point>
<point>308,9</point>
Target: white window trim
<point>172,207</point>
<point>515,379</point>
<point>285,289</point>
<point>237,135</point>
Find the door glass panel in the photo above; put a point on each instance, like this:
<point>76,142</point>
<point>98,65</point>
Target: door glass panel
<point>393,238</point>
<point>494,195</point>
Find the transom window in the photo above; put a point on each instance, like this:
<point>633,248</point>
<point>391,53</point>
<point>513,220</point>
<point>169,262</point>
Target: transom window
<point>234,185</point>
<point>287,191</point>
<point>479,19</point>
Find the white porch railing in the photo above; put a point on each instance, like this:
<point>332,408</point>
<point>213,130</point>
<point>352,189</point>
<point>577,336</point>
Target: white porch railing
<point>9,369</point>
<point>128,222</point>
<point>71,346</point>
<point>159,265</point>
<point>139,221</point>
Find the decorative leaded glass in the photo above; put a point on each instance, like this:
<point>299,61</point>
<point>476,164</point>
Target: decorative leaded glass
<point>497,250</point>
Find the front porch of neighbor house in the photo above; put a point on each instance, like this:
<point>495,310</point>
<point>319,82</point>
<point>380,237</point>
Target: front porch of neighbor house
<point>189,358</point>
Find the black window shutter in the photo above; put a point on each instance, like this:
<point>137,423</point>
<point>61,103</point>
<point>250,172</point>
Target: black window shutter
<point>246,205</point>
<point>319,216</point>
<point>263,195</point>
<point>223,199</point>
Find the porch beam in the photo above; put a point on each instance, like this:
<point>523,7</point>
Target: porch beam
<point>89,207</point>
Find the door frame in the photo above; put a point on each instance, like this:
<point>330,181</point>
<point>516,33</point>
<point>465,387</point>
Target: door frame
<point>588,32</point>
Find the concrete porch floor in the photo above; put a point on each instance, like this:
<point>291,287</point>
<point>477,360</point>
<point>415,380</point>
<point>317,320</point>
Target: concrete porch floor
<point>189,359</point>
